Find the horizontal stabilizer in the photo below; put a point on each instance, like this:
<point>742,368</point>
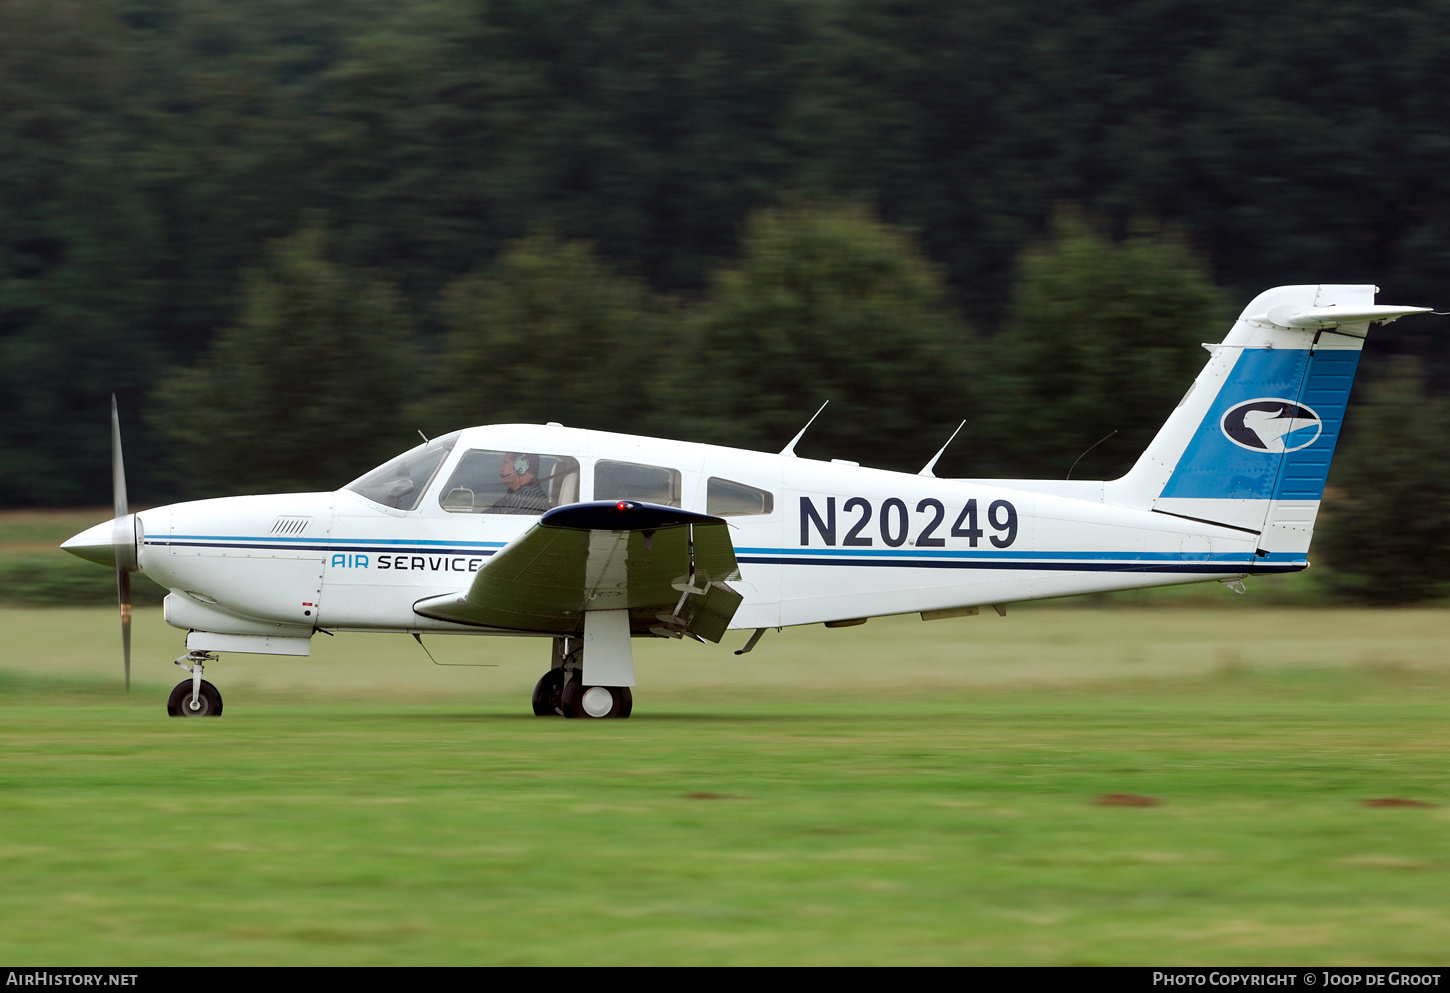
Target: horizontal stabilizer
<point>1327,317</point>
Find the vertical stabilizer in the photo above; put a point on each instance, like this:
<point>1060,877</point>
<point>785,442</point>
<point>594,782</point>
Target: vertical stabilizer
<point>1250,444</point>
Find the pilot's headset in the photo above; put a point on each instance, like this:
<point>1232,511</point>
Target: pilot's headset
<point>525,464</point>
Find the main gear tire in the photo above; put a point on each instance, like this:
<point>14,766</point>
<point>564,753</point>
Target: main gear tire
<point>596,701</point>
<point>549,693</point>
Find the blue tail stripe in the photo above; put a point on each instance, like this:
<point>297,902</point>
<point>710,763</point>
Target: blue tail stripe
<point>1212,466</point>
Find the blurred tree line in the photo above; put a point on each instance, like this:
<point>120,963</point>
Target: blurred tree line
<point>289,236</point>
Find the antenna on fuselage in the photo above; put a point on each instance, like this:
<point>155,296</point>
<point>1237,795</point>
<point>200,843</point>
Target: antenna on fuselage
<point>789,450</point>
<point>1089,448</point>
<point>926,470</point>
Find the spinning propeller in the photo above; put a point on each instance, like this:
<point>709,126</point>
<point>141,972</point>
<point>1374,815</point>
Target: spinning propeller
<point>124,541</point>
<point>114,543</point>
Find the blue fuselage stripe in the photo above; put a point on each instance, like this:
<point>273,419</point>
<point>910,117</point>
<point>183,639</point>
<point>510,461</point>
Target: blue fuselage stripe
<point>281,542</point>
<point>394,548</point>
<point>1174,562</point>
<point>1237,567</point>
<point>916,554</point>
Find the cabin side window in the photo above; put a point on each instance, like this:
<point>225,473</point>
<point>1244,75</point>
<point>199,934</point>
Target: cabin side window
<point>631,481</point>
<point>494,482</point>
<point>727,498</point>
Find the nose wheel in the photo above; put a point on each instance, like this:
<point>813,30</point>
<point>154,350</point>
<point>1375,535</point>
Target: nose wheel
<point>194,697</point>
<point>184,703</point>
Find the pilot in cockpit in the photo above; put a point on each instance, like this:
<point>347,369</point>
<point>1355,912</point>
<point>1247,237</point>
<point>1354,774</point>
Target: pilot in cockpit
<point>525,496</point>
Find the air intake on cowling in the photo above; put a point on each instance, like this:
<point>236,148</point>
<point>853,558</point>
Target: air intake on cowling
<point>290,525</point>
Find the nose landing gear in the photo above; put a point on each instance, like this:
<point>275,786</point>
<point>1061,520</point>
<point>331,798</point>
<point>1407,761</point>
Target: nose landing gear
<point>194,697</point>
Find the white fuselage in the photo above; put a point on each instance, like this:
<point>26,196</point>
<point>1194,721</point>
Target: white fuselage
<point>840,542</point>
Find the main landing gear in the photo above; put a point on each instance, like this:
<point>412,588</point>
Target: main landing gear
<point>561,691</point>
<point>194,697</point>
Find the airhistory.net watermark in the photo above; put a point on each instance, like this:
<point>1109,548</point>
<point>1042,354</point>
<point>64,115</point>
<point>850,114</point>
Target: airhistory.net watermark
<point>68,977</point>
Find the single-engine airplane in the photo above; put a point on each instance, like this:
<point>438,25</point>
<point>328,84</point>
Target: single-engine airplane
<point>590,539</point>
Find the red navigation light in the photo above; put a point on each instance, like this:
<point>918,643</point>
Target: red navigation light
<point>622,505</point>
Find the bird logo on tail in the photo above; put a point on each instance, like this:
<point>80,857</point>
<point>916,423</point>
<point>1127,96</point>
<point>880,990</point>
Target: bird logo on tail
<point>1271,425</point>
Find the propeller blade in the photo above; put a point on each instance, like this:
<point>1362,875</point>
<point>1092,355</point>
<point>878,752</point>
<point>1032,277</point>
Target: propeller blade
<point>118,467</point>
<point>123,539</point>
<point>123,594</point>
<point>123,528</point>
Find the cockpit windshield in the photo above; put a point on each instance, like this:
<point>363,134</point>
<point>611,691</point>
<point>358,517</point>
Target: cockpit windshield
<point>402,482</point>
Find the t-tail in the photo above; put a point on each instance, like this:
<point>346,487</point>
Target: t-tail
<point>1250,443</point>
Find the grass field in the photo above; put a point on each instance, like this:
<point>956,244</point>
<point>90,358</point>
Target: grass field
<point>895,793</point>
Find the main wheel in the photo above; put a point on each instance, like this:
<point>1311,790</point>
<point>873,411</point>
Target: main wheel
<point>596,701</point>
<point>209,701</point>
<point>548,693</point>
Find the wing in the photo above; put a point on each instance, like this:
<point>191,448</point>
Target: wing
<point>668,567</point>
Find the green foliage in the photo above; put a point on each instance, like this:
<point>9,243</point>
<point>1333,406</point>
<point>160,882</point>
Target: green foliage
<point>827,303</point>
<point>1101,336</point>
<point>969,119</point>
<point>233,98</point>
<point>551,333</point>
<point>76,237</point>
<point>153,149</point>
<point>1387,529</point>
<point>303,391</point>
<point>647,128</point>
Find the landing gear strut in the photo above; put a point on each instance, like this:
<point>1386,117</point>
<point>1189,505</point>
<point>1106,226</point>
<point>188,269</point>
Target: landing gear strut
<point>194,697</point>
<point>561,691</point>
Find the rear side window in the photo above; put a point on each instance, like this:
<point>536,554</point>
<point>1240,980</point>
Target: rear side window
<point>727,498</point>
<point>631,481</point>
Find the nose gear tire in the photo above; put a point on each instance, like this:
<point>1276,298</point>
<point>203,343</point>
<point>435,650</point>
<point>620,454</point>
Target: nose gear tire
<point>209,701</point>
